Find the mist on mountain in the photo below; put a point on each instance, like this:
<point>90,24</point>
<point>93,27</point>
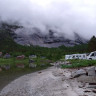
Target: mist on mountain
<point>64,17</point>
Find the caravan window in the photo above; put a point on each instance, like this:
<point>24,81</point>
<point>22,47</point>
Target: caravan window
<point>83,55</point>
<point>92,54</point>
<point>73,57</point>
<point>79,55</point>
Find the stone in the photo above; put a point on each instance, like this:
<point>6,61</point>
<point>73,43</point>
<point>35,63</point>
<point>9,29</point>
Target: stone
<point>20,57</point>
<point>91,71</point>
<point>86,91</point>
<point>94,90</point>
<point>0,54</point>
<point>7,56</point>
<point>78,73</point>
<point>6,67</point>
<point>32,65</point>
<point>0,69</point>
<point>39,72</point>
<point>67,62</point>
<point>31,61</point>
<point>20,65</point>
<point>32,56</point>
<point>87,79</point>
<point>42,64</point>
<point>92,86</point>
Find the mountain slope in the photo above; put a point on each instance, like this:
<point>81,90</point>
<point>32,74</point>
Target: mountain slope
<point>49,40</point>
<point>23,36</point>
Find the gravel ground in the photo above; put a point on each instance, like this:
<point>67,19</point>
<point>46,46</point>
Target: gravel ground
<point>49,82</point>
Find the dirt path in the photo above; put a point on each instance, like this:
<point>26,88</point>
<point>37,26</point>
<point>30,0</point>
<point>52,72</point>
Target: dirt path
<point>49,82</point>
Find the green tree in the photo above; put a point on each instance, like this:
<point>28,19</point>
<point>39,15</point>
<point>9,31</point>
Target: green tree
<point>92,44</point>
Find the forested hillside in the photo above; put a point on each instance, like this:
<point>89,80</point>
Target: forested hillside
<point>7,44</point>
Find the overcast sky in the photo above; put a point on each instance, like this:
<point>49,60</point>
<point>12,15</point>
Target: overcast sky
<point>64,16</point>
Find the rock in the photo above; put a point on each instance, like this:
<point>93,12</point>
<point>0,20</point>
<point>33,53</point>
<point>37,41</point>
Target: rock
<point>7,56</point>
<point>31,61</point>
<point>32,65</point>
<point>87,79</point>
<point>0,69</point>
<point>0,54</point>
<point>20,65</point>
<point>20,57</point>
<point>86,91</point>
<point>6,67</point>
<point>39,72</point>
<point>92,86</point>
<point>42,64</point>
<point>81,85</point>
<point>67,62</point>
<point>91,71</point>
<point>32,56</point>
<point>78,73</point>
<point>92,83</point>
<point>94,90</point>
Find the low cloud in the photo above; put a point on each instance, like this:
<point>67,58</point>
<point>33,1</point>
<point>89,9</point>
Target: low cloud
<point>63,16</point>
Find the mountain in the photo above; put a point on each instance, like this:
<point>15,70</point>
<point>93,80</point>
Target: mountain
<point>49,40</point>
<point>35,37</point>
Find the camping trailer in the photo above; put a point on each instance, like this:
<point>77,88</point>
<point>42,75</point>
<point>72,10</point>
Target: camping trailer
<point>76,56</point>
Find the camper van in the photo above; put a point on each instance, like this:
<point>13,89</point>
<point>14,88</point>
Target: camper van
<point>92,56</point>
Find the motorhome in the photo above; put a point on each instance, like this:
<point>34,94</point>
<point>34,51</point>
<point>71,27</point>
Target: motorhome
<point>92,56</point>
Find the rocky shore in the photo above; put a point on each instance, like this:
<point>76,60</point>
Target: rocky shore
<point>51,82</point>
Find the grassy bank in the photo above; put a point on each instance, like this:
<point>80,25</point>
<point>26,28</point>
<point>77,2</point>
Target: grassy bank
<point>80,63</point>
<point>6,76</point>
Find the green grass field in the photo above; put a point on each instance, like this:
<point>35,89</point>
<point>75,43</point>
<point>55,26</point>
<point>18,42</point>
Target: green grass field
<point>80,63</point>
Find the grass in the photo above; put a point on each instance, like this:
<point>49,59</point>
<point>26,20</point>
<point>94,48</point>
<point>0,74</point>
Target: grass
<point>13,61</point>
<point>6,76</point>
<point>80,63</point>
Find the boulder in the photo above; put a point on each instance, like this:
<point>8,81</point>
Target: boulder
<point>32,56</point>
<point>78,73</point>
<point>31,61</point>
<point>7,56</point>
<point>20,57</point>
<point>42,64</point>
<point>0,54</point>
<point>6,67</point>
<point>91,71</point>
<point>32,65</point>
<point>87,79</point>
<point>0,69</point>
<point>20,65</point>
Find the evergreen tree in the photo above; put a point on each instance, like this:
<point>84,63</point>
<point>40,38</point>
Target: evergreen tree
<point>92,44</point>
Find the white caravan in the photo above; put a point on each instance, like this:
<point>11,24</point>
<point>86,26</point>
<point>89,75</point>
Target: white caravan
<point>92,56</point>
<point>76,56</point>
<point>68,57</point>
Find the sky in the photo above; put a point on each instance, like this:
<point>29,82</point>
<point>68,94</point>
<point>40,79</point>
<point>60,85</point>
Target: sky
<point>63,16</point>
